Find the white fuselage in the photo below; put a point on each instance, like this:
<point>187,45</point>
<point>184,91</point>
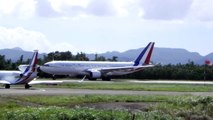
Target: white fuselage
<point>74,68</point>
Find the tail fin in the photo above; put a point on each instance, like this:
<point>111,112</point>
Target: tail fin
<point>145,55</point>
<point>30,71</point>
<point>208,62</point>
<point>33,64</point>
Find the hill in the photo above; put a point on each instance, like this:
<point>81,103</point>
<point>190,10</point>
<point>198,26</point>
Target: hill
<point>15,53</point>
<point>160,55</point>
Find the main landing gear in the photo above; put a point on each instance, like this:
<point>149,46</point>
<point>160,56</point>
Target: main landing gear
<point>7,86</point>
<point>53,77</point>
<point>27,86</point>
<point>106,78</point>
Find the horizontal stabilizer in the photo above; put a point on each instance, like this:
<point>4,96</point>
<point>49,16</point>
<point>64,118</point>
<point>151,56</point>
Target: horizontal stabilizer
<point>4,82</point>
<point>44,82</point>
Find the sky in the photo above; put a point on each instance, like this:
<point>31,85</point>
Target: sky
<point>97,26</point>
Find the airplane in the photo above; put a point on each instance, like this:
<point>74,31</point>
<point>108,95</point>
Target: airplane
<point>96,69</point>
<point>209,63</point>
<point>25,75</point>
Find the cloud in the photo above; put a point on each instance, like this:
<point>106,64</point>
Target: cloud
<point>88,8</point>
<point>73,8</point>
<point>124,8</point>
<point>71,11</point>
<point>17,8</point>
<point>101,8</point>
<point>30,40</point>
<point>202,10</point>
<point>44,9</point>
<point>147,9</point>
<point>165,9</point>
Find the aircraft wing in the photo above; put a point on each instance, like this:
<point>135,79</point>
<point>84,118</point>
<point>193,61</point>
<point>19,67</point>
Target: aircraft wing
<point>120,69</point>
<point>4,82</point>
<point>44,82</point>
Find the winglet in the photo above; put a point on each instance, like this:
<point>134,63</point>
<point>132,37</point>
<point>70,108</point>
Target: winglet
<point>145,55</point>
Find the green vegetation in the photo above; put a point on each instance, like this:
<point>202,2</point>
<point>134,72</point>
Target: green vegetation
<point>80,99</point>
<point>189,108</point>
<point>7,64</point>
<point>58,113</point>
<point>61,107</point>
<point>189,71</point>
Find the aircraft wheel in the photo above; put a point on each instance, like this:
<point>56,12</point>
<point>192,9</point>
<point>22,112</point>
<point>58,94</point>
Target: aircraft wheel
<point>107,78</point>
<point>92,79</point>
<point>27,86</point>
<point>53,77</point>
<point>7,86</point>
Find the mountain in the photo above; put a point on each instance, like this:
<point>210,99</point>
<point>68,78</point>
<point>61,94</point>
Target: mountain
<point>175,56</point>
<point>160,55</point>
<point>15,53</point>
<point>17,48</point>
<point>207,57</point>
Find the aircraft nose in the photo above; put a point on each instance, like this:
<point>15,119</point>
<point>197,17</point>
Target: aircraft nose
<point>42,68</point>
<point>39,69</point>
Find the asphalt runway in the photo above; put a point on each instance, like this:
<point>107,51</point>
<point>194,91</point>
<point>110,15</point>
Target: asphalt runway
<point>15,91</point>
<point>19,90</point>
<point>144,82</point>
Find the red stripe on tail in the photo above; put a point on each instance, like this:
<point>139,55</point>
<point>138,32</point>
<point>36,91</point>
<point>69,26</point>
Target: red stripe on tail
<point>149,54</point>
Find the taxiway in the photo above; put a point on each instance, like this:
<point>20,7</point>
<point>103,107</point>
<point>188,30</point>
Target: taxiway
<point>63,91</point>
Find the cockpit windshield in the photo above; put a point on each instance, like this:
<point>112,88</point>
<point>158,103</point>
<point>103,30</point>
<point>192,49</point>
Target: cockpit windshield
<point>47,65</point>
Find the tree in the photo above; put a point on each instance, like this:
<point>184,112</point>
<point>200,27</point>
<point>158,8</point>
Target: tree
<point>81,56</point>
<point>66,55</point>
<point>20,61</point>
<point>99,58</point>
<point>114,58</point>
<point>2,62</point>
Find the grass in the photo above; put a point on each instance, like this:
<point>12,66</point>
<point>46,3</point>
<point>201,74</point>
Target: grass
<point>137,86</point>
<point>80,99</point>
<point>68,107</point>
<point>58,107</point>
<point>58,113</point>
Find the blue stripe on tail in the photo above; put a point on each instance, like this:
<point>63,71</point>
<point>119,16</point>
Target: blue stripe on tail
<point>137,61</point>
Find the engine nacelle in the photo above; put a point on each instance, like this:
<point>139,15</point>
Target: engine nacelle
<point>95,74</point>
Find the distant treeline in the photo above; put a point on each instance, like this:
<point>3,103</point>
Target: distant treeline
<point>69,56</point>
<point>189,71</point>
<point>9,65</point>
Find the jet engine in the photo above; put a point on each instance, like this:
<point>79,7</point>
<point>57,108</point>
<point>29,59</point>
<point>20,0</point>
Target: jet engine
<point>94,74</point>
